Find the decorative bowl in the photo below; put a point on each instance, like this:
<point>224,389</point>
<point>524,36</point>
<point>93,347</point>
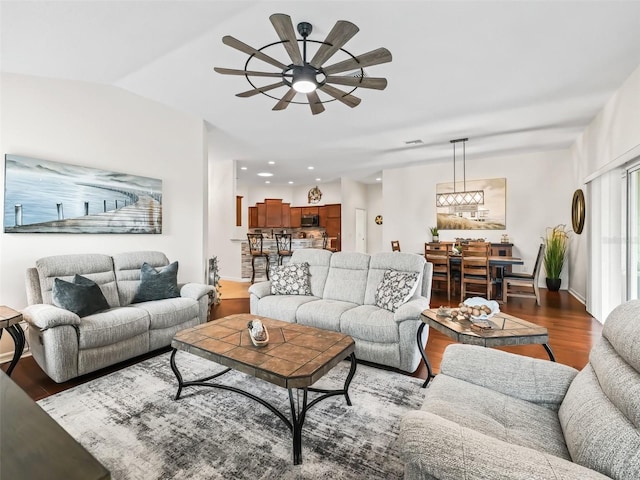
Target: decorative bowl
<point>479,301</point>
<point>262,342</point>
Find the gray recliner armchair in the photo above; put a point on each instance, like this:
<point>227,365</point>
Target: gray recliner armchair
<point>490,414</point>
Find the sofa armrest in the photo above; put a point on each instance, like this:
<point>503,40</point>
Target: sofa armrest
<point>195,290</point>
<point>411,310</point>
<point>45,316</point>
<point>433,447</point>
<point>531,379</point>
<point>261,289</point>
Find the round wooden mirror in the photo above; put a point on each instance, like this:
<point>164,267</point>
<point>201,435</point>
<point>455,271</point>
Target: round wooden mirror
<point>578,211</point>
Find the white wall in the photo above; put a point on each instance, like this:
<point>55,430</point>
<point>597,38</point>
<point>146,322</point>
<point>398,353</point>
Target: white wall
<point>296,195</point>
<point>609,142</point>
<point>107,128</point>
<point>354,195</point>
<point>374,207</point>
<point>539,195</point>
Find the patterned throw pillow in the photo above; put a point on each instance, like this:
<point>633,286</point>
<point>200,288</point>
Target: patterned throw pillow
<point>290,279</point>
<point>395,289</point>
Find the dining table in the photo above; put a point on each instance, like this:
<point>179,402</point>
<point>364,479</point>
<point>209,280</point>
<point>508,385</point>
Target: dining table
<point>498,261</point>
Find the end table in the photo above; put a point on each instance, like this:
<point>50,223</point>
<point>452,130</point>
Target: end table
<point>10,321</point>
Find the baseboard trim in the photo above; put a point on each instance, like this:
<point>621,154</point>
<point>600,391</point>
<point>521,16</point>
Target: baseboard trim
<point>577,296</point>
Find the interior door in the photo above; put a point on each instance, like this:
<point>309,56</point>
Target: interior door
<point>361,230</point>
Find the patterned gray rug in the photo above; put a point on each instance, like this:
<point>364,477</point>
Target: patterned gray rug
<point>129,421</point>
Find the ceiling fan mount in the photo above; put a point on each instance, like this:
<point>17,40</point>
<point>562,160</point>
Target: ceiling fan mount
<point>308,77</point>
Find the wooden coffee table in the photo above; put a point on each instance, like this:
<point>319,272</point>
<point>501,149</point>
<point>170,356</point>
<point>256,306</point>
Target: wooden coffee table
<point>506,330</point>
<point>296,357</point>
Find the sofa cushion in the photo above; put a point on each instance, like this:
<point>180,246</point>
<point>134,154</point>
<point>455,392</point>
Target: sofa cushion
<point>290,279</point>
<point>402,262</point>
<point>368,322</point>
<point>323,313</point>
<point>96,267</point>
<point>169,312</point>
<point>598,434</point>
<point>282,307</point>
<point>127,267</point>
<point>157,284</point>
<point>395,289</point>
<point>495,414</point>
<point>113,326</point>
<point>319,261</point>
<point>80,296</point>
<point>347,277</point>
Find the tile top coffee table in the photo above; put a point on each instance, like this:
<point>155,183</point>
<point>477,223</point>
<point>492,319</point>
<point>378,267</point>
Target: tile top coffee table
<point>505,330</point>
<point>10,321</point>
<point>295,358</point>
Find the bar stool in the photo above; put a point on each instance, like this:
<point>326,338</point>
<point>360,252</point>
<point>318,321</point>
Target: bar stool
<point>283,242</point>
<point>325,243</point>
<point>255,249</point>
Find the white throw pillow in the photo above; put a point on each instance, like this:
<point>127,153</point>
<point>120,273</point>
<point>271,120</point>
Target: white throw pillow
<point>290,279</point>
<point>395,289</point>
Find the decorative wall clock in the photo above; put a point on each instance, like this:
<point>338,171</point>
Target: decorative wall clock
<point>378,220</point>
<point>314,195</point>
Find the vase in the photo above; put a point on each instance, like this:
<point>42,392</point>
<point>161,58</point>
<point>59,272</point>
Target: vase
<point>553,284</point>
<point>436,238</point>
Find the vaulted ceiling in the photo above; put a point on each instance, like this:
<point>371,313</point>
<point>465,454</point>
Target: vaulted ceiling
<point>514,77</point>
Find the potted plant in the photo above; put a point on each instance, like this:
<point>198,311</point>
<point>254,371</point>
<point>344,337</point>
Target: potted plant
<point>434,234</point>
<point>555,251</point>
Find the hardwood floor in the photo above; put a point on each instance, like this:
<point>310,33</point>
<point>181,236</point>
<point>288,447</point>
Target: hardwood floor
<point>572,333</point>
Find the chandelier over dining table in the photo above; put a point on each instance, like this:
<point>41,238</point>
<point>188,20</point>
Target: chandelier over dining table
<point>464,197</point>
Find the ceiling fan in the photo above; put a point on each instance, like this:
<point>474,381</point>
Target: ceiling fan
<point>304,76</point>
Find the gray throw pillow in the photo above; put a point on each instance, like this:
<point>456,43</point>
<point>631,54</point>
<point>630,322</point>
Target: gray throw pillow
<point>157,284</point>
<point>395,289</point>
<point>81,296</point>
<point>290,279</point>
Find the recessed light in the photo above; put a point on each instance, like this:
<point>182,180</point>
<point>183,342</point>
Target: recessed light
<point>378,179</point>
<point>271,162</point>
<point>318,179</point>
<point>243,168</point>
<point>290,182</point>
<point>309,168</point>
<point>265,174</point>
<point>267,181</point>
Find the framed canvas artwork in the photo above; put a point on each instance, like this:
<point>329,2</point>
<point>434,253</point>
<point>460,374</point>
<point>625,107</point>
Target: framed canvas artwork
<point>42,196</point>
<point>482,207</point>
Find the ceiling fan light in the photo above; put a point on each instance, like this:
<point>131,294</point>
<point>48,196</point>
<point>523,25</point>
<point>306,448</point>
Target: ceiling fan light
<point>304,79</point>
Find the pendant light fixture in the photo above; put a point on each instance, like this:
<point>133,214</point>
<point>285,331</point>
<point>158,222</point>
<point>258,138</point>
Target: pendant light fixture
<point>466,198</point>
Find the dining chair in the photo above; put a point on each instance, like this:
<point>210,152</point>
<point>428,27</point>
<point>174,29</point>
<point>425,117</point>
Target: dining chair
<point>475,274</point>
<point>438,255</point>
<point>523,284</point>
<point>395,245</point>
<point>283,244</point>
<point>255,249</point>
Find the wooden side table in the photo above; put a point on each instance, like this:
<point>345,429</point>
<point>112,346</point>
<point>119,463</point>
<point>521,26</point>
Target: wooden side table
<point>10,321</point>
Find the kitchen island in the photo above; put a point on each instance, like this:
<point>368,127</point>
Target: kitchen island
<point>269,245</point>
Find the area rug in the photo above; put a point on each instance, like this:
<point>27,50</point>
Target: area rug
<point>131,423</point>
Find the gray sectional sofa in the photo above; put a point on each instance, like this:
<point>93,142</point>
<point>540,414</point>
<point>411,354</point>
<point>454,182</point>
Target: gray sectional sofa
<point>66,345</point>
<point>343,298</point>
<point>490,414</point>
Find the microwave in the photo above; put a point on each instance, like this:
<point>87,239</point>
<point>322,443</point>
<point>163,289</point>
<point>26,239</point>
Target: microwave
<point>310,221</point>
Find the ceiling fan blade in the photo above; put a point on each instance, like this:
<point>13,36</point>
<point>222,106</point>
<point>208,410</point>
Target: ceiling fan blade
<point>284,28</point>
<point>340,34</point>
<point>344,97</point>
<point>374,57</point>
<point>285,100</point>
<point>255,91</point>
<point>315,103</point>
<point>231,71</point>
<point>361,82</point>
<point>243,47</point>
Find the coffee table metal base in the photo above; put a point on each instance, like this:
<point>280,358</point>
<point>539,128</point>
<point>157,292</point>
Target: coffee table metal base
<point>298,409</point>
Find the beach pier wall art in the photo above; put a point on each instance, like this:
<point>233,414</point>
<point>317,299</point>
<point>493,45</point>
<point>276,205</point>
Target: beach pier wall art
<point>42,196</point>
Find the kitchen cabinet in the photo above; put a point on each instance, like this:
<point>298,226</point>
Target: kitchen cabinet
<point>309,210</point>
<point>273,212</point>
<point>333,222</point>
<point>286,215</point>
<point>253,217</point>
<point>262,214</point>
<point>296,216</point>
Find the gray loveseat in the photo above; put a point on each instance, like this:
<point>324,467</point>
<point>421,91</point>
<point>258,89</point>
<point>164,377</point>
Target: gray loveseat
<point>66,345</point>
<point>343,288</point>
<point>496,415</point>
